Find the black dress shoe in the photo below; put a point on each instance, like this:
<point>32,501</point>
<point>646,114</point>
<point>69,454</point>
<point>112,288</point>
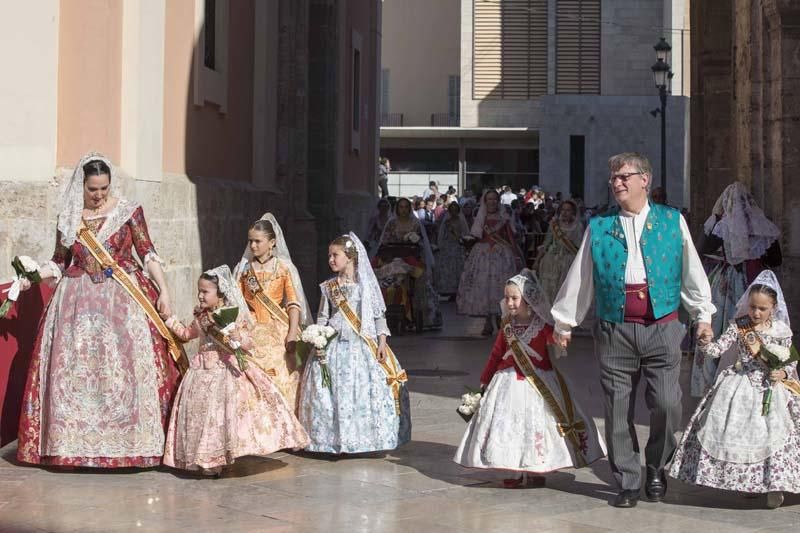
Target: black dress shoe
<point>626,499</point>
<point>655,488</point>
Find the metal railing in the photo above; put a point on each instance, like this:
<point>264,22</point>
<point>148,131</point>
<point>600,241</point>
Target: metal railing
<point>444,120</point>
<point>392,120</point>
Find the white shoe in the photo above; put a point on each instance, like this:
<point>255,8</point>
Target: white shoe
<point>774,499</point>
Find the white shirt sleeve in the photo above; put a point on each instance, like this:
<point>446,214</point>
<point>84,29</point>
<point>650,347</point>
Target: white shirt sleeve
<point>575,296</point>
<point>695,290</point>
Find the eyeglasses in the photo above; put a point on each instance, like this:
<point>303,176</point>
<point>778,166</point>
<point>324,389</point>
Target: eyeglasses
<point>624,178</point>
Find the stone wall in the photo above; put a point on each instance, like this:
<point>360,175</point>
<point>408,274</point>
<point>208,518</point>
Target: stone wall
<point>745,103</point>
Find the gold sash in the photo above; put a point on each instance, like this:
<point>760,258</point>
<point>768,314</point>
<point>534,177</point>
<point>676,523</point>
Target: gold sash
<point>106,261</point>
<point>257,290</point>
<point>568,425</point>
<point>558,233</point>
<point>753,341</point>
<point>389,365</point>
<point>223,341</point>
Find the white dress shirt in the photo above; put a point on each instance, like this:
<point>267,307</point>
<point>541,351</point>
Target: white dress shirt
<point>575,296</point>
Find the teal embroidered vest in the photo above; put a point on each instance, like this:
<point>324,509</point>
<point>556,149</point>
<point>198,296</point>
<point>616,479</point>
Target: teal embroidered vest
<point>662,250</point>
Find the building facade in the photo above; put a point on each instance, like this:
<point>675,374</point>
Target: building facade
<point>213,112</point>
<point>745,102</point>
<point>557,85</point>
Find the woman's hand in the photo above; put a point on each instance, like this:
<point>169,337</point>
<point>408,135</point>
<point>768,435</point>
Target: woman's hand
<point>777,375</point>
<point>24,284</point>
<point>290,342</point>
<point>163,305</point>
<point>382,350</point>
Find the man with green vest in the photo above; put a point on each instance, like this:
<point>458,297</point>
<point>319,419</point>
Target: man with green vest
<point>638,263</point>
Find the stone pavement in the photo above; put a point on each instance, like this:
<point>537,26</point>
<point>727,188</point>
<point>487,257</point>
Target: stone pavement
<point>415,488</point>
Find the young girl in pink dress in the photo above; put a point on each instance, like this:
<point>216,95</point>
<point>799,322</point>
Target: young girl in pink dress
<point>222,412</point>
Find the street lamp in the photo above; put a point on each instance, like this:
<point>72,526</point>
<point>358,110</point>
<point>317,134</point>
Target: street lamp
<point>662,76</point>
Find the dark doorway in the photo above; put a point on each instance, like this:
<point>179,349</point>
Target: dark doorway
<point>577,165</point>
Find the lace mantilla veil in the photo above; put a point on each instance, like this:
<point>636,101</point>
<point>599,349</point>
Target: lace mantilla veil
<point>768,278</point>
<point>744,229</point>
<point>69,217</point>
<point>532,293</point>
<point>281,251</point>
<point>372,305</point>
<point>230,289</point>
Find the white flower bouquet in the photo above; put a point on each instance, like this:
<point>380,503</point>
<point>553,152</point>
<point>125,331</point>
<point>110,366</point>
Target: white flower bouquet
<point>318,338</point>
<point>469,404</point>
<point>25,268</point>
<point>775,357</point>
<point>412,237</point>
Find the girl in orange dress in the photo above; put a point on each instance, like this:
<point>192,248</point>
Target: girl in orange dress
<point>274,294</point>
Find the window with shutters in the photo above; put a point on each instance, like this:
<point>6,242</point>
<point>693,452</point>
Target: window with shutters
<point>509,49</point>
<point>454,100</point>
<point>578,46</point>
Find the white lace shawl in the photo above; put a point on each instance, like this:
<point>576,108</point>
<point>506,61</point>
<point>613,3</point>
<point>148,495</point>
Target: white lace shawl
<point>372,305</point>
<point>745,231</point>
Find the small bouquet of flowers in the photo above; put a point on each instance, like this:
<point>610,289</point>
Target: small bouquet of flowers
<point>317,337</point>
<point>225,319</point>
<point>775,357</point>
<point>469,403</point>
<point>412,237</point>
<point>25,268</point>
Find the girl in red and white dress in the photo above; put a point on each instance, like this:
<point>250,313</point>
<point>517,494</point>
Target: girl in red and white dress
<point>527,421</point>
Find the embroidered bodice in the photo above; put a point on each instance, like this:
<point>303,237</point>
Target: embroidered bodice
<point>76,260</point>
<point>397,228</point>
<point>537,334</point>
<point>277,283</point>
<point>753,367</point>
<point>209,353</point>
<point>329,314</point>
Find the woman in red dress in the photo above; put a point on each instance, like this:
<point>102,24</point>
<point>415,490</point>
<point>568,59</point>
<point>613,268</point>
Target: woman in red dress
<point>101,380</point>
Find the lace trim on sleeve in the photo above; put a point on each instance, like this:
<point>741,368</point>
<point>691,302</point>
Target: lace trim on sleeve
<point>55,269</point>
<point>153,256</point>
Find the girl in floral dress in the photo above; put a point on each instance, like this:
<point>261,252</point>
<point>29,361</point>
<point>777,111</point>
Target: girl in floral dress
<point>274,294</point>
<point>527,421</point>
<point>729,443</point>
<point>222,411</point>
<point>493,260</point>
<point>366,407</point>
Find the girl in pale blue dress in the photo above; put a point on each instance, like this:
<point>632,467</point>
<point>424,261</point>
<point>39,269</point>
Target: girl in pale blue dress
<point>366,408</point>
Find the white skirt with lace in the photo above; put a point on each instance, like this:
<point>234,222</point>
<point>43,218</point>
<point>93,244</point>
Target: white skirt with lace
<point>514,429</point>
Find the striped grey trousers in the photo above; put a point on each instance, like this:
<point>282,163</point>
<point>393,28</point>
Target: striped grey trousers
<point>627,352</point>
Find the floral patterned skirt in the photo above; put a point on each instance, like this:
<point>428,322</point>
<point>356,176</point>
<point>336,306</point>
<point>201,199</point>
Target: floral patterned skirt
<point>514,429</point>
<point>100,383</point>
<point>270,354</point>
<point>486,271</point>
<point>449,265</point>
<point>221,413</point>
<point>778,472</point>
<point>357,414</point>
